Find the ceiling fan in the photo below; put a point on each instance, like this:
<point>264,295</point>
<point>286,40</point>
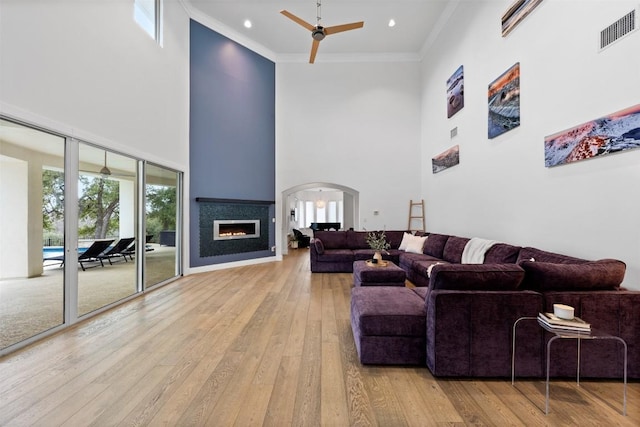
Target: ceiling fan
<point>105,172</point>
<point>318,32</point>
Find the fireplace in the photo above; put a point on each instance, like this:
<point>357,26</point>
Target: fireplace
<point>232,229</point>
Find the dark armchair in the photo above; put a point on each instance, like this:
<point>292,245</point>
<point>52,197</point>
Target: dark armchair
<point>303,240</point>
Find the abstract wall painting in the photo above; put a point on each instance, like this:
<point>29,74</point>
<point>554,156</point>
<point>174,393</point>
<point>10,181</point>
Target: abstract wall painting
<point>516,13</point>
<point>504,102</point>
<point>614,133</point>
<point>455,92</point>
<point>446,159</point>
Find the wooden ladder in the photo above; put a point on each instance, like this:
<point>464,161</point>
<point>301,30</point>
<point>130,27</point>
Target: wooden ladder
<point>416,208</point>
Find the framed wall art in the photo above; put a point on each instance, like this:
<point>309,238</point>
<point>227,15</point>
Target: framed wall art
<point>504,102</point>
<point>446,159</point>
<point>455,92</point>
<point>617,132</point>
<point>516,13</point>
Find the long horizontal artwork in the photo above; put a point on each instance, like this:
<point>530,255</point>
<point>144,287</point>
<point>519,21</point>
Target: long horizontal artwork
<point>614,133</point>
<point>516,13</point>
<point>504,102</point>
<point>446,159</point>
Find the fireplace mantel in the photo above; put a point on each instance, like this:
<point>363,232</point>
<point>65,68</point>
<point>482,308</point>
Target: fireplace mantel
<point>253,202</point>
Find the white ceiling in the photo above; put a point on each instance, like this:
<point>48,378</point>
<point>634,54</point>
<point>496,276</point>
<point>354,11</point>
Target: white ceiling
<point>416,22</point>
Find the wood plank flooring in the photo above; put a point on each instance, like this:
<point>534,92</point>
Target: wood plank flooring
<point>268,345</point>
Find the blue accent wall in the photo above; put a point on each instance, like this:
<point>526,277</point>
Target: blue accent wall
<point>232,131</point>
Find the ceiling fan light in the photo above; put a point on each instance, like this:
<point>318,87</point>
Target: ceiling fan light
<point>318,33</point>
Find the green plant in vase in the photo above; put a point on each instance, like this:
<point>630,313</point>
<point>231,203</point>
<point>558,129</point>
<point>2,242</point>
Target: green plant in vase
<point>378,242</point>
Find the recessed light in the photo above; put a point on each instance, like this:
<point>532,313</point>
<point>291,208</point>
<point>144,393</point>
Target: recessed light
<point>392,22</point>
<point>247,23</point>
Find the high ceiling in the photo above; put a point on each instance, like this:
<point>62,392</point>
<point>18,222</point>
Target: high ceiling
<point>278,36</point>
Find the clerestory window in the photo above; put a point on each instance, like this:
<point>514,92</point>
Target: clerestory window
<point>147,13</point>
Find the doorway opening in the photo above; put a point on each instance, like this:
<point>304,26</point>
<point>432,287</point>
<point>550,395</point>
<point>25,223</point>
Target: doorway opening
<point>318,203</point>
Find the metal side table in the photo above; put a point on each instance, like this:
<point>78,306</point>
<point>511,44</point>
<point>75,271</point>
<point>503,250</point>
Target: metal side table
<point>594,334</point>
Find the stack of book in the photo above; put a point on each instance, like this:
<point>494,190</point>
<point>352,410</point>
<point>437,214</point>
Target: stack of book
<point>556,324</point>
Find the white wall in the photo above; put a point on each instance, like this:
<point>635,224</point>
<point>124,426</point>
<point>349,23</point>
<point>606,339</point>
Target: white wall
<point>501,188</point>
<point>87,69</point>
<point>352,124</point>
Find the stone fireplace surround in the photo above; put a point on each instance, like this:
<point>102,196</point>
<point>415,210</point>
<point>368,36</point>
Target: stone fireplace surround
<point>212,210</point>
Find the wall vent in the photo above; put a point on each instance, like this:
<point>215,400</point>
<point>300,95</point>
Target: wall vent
<point>622,27</point>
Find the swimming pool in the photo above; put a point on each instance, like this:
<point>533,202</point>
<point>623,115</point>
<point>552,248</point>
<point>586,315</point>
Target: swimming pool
<point>56,251</point>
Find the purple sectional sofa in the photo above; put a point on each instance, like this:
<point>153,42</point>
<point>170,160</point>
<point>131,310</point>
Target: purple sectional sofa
<point>467,311</point>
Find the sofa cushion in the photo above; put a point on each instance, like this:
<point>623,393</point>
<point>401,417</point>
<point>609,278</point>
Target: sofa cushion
<point>357,240</point>
<point>337,255</point>
<point>387,311</point>
<point>453,249</point>
<point>526,254</point>
<point>591,275</point>
<point>502,253</point>
<point>407,259</point>
<point>423,266</point>
<point>332,239</point>
<point>319,246</point>
<point>434,245</point>
<point>485,277</point>
<point>394,238</point>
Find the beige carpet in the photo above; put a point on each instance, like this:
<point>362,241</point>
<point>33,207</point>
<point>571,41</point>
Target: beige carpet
<point>31,306</point>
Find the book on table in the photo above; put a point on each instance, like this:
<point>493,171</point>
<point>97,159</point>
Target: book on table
<point>554,322</point>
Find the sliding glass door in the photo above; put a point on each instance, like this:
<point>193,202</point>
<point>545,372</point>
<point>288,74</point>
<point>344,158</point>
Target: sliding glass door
<point>81,228</point>
<point>32,215</point>
<point>162,198</point>
<point>106,227</point>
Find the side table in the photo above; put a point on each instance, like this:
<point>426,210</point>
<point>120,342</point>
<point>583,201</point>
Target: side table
<point>594,334</point>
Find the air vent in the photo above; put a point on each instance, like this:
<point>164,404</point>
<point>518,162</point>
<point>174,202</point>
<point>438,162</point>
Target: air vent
<point>622,27</point>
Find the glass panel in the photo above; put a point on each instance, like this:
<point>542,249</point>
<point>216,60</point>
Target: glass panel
<point>31,216</point>
<point>144,13</point>
<point>106,228</point>
<point>332,211</point>
<point>161,198</point>
<point>309,212</point>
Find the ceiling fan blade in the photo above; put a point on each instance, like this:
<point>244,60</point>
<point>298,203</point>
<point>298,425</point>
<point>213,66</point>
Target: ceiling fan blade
<point>344,27</point>
<point>298,20</point>
<point>314,50</point>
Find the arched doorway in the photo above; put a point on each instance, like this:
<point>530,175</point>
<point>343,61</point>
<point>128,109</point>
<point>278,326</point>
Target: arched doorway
<point>351,205</point>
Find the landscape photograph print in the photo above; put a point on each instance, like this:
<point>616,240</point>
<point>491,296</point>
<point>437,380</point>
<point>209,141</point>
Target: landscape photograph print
<point>455,92</point>
<point>446,159</point>
<point>516,13</point>
<point>504,102</point>
<point>613,133</point>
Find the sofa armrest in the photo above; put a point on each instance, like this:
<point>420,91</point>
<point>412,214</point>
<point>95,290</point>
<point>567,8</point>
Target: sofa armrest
<point>486,277</point>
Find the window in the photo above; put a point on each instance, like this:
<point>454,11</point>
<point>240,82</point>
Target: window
<point>147,14</point>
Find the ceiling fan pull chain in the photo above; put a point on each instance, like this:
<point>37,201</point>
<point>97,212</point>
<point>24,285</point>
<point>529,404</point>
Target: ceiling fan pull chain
<point>319,12</point>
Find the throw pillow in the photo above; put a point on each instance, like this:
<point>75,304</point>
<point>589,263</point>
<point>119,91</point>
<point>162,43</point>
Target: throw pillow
<point>415,244</point>
<point>405,241</point>
<point>319,246</point>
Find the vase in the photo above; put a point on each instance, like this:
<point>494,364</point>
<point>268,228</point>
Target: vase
<point>377,257</point>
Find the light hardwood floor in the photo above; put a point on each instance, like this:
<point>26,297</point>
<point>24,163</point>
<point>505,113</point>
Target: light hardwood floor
<point>262,345</point>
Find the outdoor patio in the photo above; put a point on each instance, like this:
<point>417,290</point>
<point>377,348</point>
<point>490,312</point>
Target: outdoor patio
<point>31,306</point>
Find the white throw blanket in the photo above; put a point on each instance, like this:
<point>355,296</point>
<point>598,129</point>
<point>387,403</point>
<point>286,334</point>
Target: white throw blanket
<point>475,249</point>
